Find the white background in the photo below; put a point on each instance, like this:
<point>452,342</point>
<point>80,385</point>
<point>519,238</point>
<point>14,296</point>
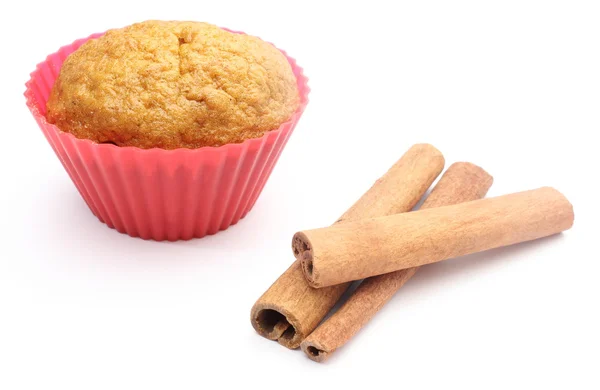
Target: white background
<point>513,86</point>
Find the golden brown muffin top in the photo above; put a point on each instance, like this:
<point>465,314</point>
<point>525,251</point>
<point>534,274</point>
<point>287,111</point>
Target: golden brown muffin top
<point>172,85</point>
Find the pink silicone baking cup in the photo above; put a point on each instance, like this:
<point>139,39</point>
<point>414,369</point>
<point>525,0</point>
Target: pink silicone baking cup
<point>162,194</point>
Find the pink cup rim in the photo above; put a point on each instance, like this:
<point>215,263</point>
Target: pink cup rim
<point>301,81</point>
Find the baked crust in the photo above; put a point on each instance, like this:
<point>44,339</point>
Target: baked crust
<point>173,85</point>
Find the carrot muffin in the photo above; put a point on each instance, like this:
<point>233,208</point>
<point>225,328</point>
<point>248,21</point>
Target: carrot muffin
<point>173,85</point>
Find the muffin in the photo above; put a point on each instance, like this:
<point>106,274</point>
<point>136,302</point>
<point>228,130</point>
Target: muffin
<point>169,85</point>
<point>169,130</point>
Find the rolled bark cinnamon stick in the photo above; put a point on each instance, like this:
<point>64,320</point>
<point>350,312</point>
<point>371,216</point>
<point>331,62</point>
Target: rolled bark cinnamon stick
<point>462,182</point>
<point>290,309</point>
<point>365,248</point>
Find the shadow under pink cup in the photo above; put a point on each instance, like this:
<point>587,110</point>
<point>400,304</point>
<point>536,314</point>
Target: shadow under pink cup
<point>162,194</point>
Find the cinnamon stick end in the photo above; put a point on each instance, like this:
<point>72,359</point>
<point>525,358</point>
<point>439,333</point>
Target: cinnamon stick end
<point>273,324</point>
<point>428,148</point>
<point>300,244</point>
<point>303,252</point>
<point>314,352</point>
<point>567,206</point>
<point>478,175</point>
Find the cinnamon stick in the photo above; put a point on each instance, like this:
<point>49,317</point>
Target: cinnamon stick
<point>370,247</point>
<point>290,309</point>
<point>462,182</point>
